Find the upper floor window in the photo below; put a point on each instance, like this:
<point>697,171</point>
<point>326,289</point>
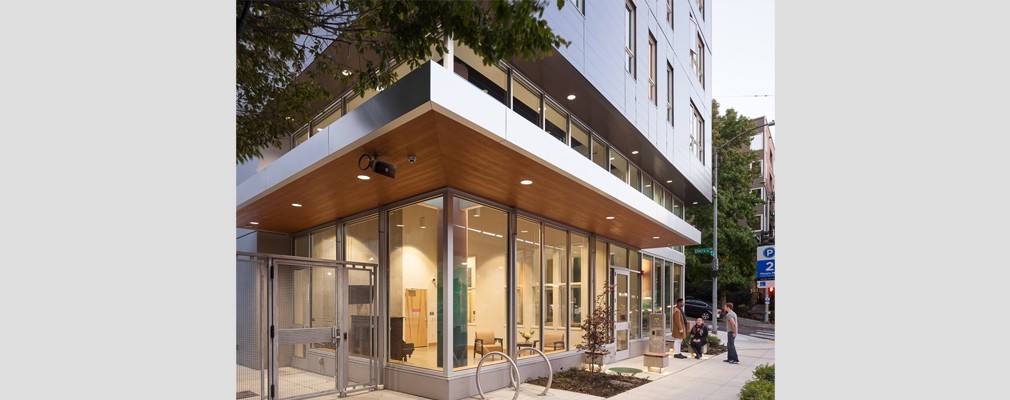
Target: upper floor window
<point>701,8</point>
<point>669,13</point>
<point>629,37</point>
<point>669,93</point>
<point>698,135</point>
<point>652,69</point>
<point>698,59</point>
<point>580,5</point>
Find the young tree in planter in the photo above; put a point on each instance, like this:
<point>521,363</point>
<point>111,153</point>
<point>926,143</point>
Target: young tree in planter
<point>599,328</point>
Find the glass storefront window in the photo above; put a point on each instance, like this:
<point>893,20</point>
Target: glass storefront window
<point>636,305</point>
<point>322,287</point>
<point>580,279</point>
<point>618,256</point>
<point>478,261</point>
<point>648,285</point>
<point>527,282</point>
<point>361,244</point>
<point>361,240</point>
<point>324,243</point>
<point>555,290</point>
<point>668,295</point>
<point>415,284</point>
<point>301,246</point>
<point>601,271</point>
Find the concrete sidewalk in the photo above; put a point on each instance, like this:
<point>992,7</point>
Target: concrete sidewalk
<point>707,379</point>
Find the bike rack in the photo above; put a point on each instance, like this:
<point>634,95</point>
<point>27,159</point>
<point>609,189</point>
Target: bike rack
<point>515,369</point>
<point>550,378</point>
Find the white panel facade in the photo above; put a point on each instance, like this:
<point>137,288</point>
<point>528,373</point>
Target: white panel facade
<point>598,52</point>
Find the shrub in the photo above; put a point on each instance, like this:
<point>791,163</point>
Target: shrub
<point>765,372</point>
<point>713,341</point>
<point>758,390</point>
<point>763,385</point>
<point>742,309</point>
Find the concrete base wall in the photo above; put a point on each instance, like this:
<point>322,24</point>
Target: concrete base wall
<point>462,384</point>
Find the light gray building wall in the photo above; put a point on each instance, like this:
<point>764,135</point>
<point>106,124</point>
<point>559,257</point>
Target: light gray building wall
<point>597,51</point>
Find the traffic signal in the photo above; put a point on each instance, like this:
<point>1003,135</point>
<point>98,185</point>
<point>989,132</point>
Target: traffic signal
<point>771,290</point>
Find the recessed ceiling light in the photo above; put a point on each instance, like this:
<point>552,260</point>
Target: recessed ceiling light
<point>399,225</point>
<point>655,237</point>
<point>610,217</point>
<point>695,202</point>
<point>296,204</point>
<point>649,185</point>
<point>255,223</point>
<point>527,182</point>
<point>364,177</point>
<point>669,181</point>
<point>524,231</point>
<point>319,129</point>
<point>346,72</point>
<point>571,97</point>
<point>634,152</point>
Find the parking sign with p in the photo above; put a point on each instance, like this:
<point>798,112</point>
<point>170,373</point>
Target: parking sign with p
<point>766,262</point>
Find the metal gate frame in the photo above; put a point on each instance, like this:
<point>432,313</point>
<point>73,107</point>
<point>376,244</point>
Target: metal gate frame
<point>339,332</point>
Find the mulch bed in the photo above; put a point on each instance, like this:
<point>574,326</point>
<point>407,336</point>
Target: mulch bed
<point>592,383</point>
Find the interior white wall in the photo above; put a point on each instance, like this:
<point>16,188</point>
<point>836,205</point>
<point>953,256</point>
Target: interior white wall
<point>414,265</point>
<point>489,256</point>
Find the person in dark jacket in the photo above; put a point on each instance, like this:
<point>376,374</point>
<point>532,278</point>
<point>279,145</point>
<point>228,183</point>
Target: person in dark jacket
<point>699,337</point>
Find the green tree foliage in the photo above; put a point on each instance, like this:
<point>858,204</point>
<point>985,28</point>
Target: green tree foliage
<point>284,49</point>
<point>737,244</point>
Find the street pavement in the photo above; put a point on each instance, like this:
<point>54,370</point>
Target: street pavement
<point>707,379</point>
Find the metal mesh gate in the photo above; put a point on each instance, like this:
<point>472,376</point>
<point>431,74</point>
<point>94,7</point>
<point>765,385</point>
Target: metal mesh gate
<point>310,315</point>
<point>251,328</point>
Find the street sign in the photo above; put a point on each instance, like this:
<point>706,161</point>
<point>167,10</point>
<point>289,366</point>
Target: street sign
<point>703,251</point>
<point>766,269</point>
<point>768,300</point>
<point>766,262</point>
<point>765,284</point>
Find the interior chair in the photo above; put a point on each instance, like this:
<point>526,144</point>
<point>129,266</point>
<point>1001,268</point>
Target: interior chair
<point>485,342</point>
<point>553,339</point>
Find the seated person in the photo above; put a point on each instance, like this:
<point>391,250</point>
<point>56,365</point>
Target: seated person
<point>699,337</point>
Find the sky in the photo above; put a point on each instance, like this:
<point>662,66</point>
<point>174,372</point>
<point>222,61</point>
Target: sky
<point>743,57</point>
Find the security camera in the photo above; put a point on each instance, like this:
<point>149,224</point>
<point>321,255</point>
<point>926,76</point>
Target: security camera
<point>412,158</point>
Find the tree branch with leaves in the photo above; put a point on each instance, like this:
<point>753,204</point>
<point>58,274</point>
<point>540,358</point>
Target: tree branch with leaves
<point>285,49</point>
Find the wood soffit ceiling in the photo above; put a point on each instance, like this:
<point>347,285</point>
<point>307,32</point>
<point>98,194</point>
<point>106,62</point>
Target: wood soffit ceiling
<point>449,154</point>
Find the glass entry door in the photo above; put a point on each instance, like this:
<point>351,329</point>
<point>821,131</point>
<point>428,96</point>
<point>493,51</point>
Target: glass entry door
<point>621,312</point>
<point>312,328</point>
